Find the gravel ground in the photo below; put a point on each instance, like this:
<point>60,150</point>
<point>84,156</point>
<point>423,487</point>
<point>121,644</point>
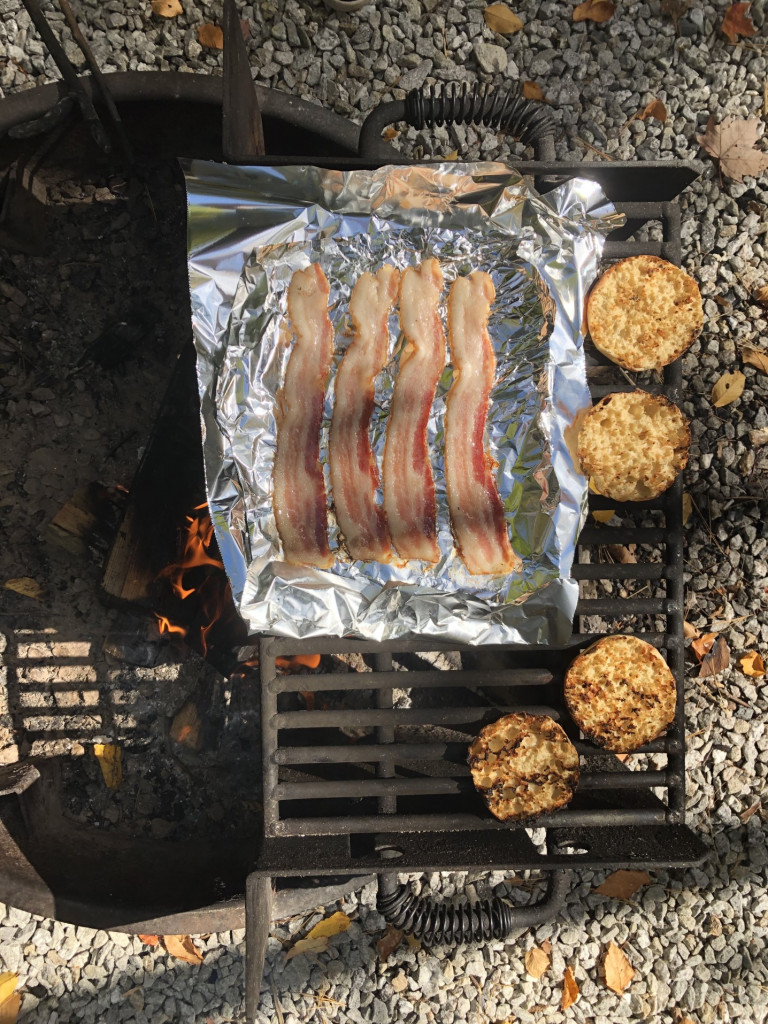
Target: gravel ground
<point>697,941</point>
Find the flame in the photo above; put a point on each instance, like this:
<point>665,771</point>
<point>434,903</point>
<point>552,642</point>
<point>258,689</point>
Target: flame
<point>196,553</point>
<point>298,661</point>
<point>165,625</point>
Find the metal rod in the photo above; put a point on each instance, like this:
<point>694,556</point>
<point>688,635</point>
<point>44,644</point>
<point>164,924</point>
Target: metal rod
<point>443,679</point>
<point>592,535</point>
<point>611,608</point>
<point>618,570</point>
<point>401,716</point>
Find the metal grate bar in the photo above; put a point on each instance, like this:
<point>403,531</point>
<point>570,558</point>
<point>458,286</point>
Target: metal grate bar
<point>619,570</point>
<point>363,718</point>
<point>412,680</point>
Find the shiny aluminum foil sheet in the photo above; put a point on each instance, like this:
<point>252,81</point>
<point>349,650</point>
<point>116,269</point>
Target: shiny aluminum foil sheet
<point>250,228</point>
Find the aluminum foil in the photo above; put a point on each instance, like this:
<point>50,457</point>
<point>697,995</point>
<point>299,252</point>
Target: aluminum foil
<point>250,228</point>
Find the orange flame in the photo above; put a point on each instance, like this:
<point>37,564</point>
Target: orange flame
<point>165,625</point>
<point>196,553</point>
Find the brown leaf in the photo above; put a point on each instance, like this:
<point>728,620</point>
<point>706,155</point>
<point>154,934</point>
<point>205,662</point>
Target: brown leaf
<point>752,664</point>
<point>757,357</point>
<point>687,507</point>
<point>389,942</point>
<point>536,962</point>
<point>150,940</point>
<point>623,884</point>
<point>621,554</point>
<point>546,946</point>
<point>110,758</point>
<point>183,948</point>
<point>618,970</point>
<point>594,10</point>
<point>166,8</point>
<point>211,36</point>
<point>186,727</point>
<point>390,133</point>
<point>718,659</point>
<point>499,18</point>
<point>703,645</point>
<point>728,388</point>
<point>747,814</point>
<point>570,989</point>
<point>532,91</point>
<point>690,632</point>
<point>732,144</point>
<point>675,10</point>
<point>25,586</point>
<point>737,22</point>
<point>654,109</point>
<point>761,295</point>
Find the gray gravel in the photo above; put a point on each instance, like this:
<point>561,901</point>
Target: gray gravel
<point>697,940</point>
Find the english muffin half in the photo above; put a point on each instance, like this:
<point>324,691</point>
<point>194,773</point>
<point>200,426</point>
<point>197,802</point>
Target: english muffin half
<point>524,766</point>
<point>621,693</point>
<point>644,313</point>
<point>632,445</point>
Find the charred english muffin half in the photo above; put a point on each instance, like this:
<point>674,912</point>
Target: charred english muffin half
<point>524,766</point>
<point>644,313</point>
<point>621,693</point>
<point>632,445</point>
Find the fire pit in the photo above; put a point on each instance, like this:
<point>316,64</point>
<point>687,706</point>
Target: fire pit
<point>363,757</point>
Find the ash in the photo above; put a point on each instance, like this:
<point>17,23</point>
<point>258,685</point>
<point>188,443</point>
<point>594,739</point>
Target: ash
<point>696,939</point>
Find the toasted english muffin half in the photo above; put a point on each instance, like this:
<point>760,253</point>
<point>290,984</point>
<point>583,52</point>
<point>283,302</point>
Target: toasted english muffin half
<point>621,693</point>
<point>524,766</point>
<point>632,445</point>
<point>644,313</point>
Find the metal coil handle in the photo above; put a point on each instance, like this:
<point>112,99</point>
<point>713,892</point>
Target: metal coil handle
<point>501,110</point>
<point>436,923</point>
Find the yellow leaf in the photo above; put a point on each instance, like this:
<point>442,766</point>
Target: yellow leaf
<point>728,389</point>
<point>316,945</point>
<point>183,948</point>
<point>755,357</point>
<point>9,1010</point>
<point>25,586</point>
<point>603,515</point>
<point>536,962</point>
<point>166,8</point>
<point>499,18</point>
<point>623,884</point>
<point>8,982</point>
<point>532,91</point>
<point>687,507</point>
<point>570,989</point>
<point>752,664</point>
<point>110,758</point>
<point>211,36</point>
<point>618,970</point>
<point>338,922</point>
<point>453,155</point>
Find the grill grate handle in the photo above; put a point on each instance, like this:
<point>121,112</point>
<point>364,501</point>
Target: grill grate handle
<point>501,110</point>
<point>436,923</point>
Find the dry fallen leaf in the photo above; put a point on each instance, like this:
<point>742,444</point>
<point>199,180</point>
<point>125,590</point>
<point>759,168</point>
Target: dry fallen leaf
<point>536,962</point>
<point>10,999</point>
<point>757,357</point>
<point>603,515</point>
<point>728,389</point>
<point>532,91</point>
<point>690,632</point>
<point>618,970</point>
<point>737,22</point>
<point>703,645</point>
<point>752,664</point>
<point>499,18</point>
<point>166,8</point>
<point>25,586</point>
<point>413,942</point>
<point>621,554</point>
<point>316,945</point>
<point>675,10</point>
<point>570,989</point>
<point>546,946</point>
<point>389,941</point>
<point>732,144</point>
<point>211,36</point>
<point>594,10</point>
<point>150,940</point>
<point>110,758</point>
<point>623,884</point>
<point>186,727</point>
<point>687,507</point>
<point>749,812</point>
<point>761,295</point>
<point>718,659</point>
<point>390,133</point>
<point>453,155</point>
<point>183,948</point>
<point>654,109</point>
<point>333,925</point>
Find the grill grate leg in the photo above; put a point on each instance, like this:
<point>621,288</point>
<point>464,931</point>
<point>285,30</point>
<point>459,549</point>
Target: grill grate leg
<point>258,915</point>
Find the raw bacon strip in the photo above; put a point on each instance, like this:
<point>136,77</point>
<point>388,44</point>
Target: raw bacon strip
<point>477,515</point>
<point>409,488</point>
<point>299,490</point>
<point>354,474</point>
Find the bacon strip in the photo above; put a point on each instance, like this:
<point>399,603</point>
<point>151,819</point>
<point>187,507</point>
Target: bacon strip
<point>409,488</point>
<point>477,515</point>
<point>299,489</point>
<point>354,473</point>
